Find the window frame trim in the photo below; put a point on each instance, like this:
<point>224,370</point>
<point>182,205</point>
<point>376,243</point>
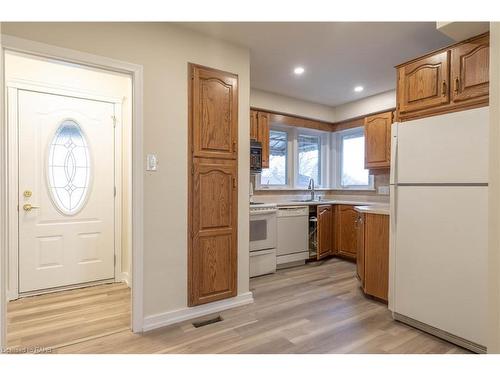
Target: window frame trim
<point>330,160</point>
<point>339,161</point>
<point>289,167</point>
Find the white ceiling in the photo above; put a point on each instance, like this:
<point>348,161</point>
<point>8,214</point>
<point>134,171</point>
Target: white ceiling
<point>337,56</point>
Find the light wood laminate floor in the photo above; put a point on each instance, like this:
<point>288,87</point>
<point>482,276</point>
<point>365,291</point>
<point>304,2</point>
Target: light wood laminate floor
<point>316,308</point>
<point>58,319</point>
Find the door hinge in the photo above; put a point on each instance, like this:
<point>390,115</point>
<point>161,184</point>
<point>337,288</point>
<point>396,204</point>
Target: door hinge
<point>114,191</point>
<point>114,121</point>
<point>114,259</point>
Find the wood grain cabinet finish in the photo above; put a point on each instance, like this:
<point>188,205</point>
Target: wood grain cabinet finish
<point>214,224</point>
<point>254,127</point>
<point>346,231</point>
<point>378,141</point>
<point>214,113</point>
<point>325,231</point>
<point>376,255</point>
<point>259,131</point>
<point>449,80</point>
<point>212,186</point>
<point>470,63</point>
<point>263,120</point>
<point>424,83</point>
<point>360,254</point>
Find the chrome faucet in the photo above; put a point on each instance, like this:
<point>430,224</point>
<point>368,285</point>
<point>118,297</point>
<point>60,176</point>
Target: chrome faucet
<point>311,187</point>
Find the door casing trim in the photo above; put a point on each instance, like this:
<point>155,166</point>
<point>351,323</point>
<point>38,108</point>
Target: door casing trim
<point>10,43</point>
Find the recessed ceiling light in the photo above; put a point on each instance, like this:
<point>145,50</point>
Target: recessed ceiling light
<point>299,70</point>
<point>359,88</point>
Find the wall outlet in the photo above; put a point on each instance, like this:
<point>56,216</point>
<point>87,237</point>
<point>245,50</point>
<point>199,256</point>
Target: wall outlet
<point>383,190</point>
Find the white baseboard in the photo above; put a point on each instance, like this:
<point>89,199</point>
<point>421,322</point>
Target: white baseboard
<point>187,313</point>
<point>12,295</point>
<point>125,277</point>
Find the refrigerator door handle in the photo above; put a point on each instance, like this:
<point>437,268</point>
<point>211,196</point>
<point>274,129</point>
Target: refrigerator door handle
<point>394,153</point>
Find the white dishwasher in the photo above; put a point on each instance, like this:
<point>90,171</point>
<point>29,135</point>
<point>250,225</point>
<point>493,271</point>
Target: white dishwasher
<point>293,247</point>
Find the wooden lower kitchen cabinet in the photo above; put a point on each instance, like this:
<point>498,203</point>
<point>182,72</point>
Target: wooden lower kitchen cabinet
<point>345,231</point>
<point>325,231</point>
<point>373,254</point>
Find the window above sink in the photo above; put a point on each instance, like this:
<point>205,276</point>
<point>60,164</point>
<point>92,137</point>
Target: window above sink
<point>334,160</point>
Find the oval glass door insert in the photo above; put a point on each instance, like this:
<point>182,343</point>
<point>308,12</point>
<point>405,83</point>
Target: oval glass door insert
<point>69,168</point>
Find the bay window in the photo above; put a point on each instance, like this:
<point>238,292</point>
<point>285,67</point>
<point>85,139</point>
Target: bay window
<point>332,160</point>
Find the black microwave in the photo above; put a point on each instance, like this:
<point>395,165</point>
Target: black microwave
<point>255,157</point>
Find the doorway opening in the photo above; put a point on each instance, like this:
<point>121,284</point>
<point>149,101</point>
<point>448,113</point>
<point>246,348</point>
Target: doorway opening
<point>69,258</point>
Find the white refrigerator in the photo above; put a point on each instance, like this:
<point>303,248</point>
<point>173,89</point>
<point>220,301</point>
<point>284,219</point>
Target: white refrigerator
<point>439,226</point>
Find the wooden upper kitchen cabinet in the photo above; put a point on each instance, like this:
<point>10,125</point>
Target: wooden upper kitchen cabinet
<point>345,229</point>
<point>451,79</point>
<point>424,83</point>
<point>378,141</point>
<point>470,63</point>
<point>214,111</point>
<point>259,131</point>
<point>325,231</point>
<point>212,186</point>
<point>264,130</point>
<point>254,128</point>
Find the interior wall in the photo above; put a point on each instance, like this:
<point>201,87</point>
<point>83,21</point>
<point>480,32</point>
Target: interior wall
<point>285,104</point>
<point>3,210</point>
<point>164,51</point>
<point>371,104</point>
<point>494,193</point>
<point>39,71</point>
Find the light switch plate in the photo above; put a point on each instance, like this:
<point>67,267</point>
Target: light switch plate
<point>151,162</point>
<point>383,190</point>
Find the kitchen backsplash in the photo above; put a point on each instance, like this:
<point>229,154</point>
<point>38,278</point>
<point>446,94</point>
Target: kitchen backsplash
<point>380,181</point>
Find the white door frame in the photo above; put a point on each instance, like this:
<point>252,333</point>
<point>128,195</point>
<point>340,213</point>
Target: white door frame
<point>136,72</point>
<point>12,89</point>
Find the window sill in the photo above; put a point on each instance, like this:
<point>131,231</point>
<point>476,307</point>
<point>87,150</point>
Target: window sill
<point>316,189</point>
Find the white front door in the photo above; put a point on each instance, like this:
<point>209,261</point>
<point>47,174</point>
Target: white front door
<point>66,173</point>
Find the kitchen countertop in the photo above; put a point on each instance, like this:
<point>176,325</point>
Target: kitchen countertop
<point>329,201</point>
<point>381,209</point>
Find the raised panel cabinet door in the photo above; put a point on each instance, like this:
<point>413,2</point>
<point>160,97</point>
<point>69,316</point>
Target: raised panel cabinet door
<point>378,140</point>
<point>214,113</point>
<point>213,253</point>
<point>254,128</point>
<point>360,256</point>
<point>325,231</point>
<point>470,64</point>
<point>263,120</point>
<point>377,255</point>
<point>347,231</point>
<point>424,83</point>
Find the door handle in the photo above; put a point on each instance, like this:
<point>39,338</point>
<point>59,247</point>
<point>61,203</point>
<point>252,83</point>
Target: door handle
<point>443,92</point>
<point>457,85</point>
<point>28,207</point>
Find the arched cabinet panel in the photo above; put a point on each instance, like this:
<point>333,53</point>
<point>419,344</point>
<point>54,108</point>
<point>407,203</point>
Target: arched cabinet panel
<point>213,186</point>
